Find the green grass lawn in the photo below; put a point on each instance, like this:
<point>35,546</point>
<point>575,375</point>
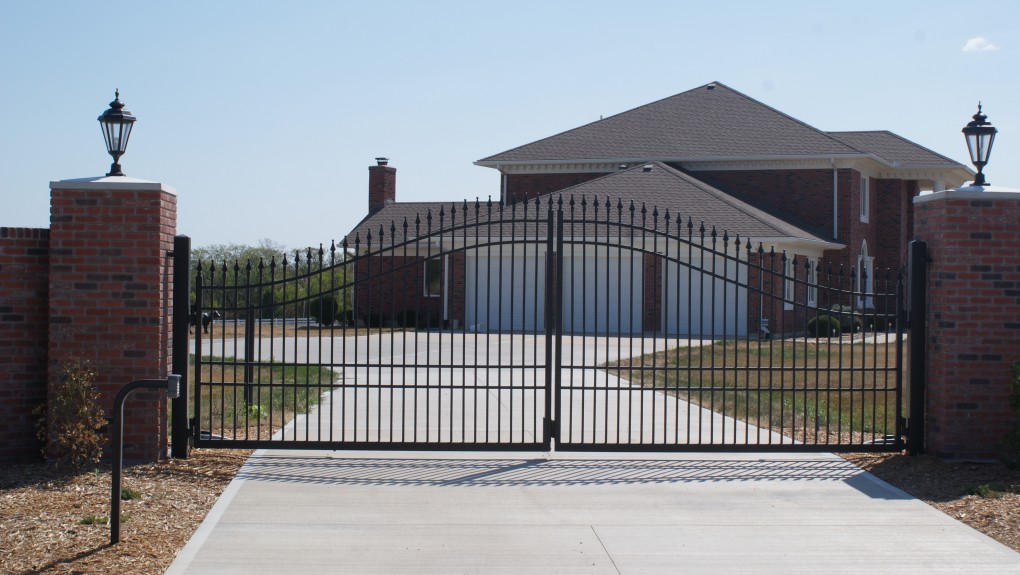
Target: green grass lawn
<point>277,393</point>
<point>839,391</point>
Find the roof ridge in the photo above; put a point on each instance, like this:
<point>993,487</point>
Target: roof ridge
<point>785,115</point>
<point>582,126</point>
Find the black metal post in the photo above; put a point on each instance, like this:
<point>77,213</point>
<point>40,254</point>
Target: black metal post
<point>917,280</point>
<point>180,436</point>
<point>171,385</point>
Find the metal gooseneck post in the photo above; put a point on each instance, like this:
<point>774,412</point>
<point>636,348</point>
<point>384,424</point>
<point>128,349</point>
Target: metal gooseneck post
<point>172,386</point>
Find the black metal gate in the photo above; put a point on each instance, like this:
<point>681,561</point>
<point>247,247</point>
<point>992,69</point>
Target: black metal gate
<point>574,323</point>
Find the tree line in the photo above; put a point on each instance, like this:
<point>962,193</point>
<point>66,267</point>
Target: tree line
<point>271,281</point>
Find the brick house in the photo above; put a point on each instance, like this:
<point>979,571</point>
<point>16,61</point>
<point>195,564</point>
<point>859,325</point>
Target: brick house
<point>710,154</point>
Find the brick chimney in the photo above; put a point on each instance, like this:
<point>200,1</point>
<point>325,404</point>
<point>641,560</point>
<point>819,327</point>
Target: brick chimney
<point>382,185</point>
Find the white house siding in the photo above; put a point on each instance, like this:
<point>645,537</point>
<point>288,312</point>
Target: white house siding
<point>697,303</point>
<point>505,291</point>
<point>602,291</point>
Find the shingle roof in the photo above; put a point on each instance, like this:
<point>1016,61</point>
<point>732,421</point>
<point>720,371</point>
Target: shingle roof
<point>653,186</point>
<point>712,121</point>
<point>894,149</point>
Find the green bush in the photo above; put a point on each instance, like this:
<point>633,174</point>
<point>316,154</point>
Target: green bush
<point>325,309</point>
<point>70,424</point>
<point>407,318</point>
<point>824,326</point>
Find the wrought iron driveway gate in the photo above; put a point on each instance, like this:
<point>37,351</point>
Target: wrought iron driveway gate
<point>579,323</point>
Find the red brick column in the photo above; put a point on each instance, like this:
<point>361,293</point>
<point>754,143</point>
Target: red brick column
<point>973,318</point>
<point>110,283</point>
<point>24,283</point>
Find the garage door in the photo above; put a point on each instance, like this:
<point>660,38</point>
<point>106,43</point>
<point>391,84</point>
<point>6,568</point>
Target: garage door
<point>602,292</point>
<point>505,291</point>
<point>697,303</point>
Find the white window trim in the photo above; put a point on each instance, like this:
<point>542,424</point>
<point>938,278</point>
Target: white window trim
<point>811,297</point>
<point>866,290</point>
<point>865,190</point>
<point>789,286</point>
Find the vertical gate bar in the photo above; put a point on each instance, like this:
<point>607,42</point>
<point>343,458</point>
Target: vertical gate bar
<point>179,442</point>
<point>416,296</point>
<point>515,237</point>
<point>502,328</point>
<point>249,357</point>
<point>196,424</point>
<point>552,363</point>
<point>898,351</point>
<point>918,309</point>
<point>504,332</point>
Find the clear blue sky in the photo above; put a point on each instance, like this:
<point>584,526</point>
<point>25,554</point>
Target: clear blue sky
<point>265,116</point>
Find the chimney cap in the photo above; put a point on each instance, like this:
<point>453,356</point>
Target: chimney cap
<point>382,161</point>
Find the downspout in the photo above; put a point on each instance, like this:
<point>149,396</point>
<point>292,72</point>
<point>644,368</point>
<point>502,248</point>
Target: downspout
<point>835,201</point>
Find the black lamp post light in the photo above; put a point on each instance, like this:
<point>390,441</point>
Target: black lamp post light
<point>980,136</point>
<point>117,123</point>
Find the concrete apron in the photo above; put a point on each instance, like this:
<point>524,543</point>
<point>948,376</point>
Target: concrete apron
<point>445,512</point>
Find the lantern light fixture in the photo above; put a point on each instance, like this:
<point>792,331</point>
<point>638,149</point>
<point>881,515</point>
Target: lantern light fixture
<point>116,123</point>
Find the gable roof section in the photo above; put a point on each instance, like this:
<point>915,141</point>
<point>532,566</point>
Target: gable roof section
<point>658,185</point>
<point>894,149</point>
<point>653,185</point>
<point>713,121</point>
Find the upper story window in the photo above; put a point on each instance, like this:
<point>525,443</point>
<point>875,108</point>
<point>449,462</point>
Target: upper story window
<point>865,199</point>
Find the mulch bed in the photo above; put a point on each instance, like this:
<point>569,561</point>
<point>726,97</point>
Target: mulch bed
<point>53,520</point>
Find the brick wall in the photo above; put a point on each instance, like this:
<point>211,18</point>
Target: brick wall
<point>521,187</point>
<point>387,287</point>
<point>651,301</point>
<point>110,283</point>
<point>973,318</point>
<point>24,283</point>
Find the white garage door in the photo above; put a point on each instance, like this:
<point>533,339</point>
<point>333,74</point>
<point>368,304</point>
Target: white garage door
<point>688,305</point>
<point>505,292</point>
<point>602,291</point>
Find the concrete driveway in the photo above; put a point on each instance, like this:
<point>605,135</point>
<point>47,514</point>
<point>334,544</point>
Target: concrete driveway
<point>443,513</point>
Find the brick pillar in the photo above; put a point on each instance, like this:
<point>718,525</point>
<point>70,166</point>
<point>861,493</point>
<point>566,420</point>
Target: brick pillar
<point>110,284</point>
<point>24,284</point>
<point>973,318</point>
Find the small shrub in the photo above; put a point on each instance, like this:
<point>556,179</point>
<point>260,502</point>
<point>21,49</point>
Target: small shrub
<point>128,494</point>
<point>373,319</point>
<point>70,427</point>
<point>824,326</point>
<point>93,520</point>
<point>256,411</point>
<point>985,491</point>
<point>325,309</point>
<point>407,318</point>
